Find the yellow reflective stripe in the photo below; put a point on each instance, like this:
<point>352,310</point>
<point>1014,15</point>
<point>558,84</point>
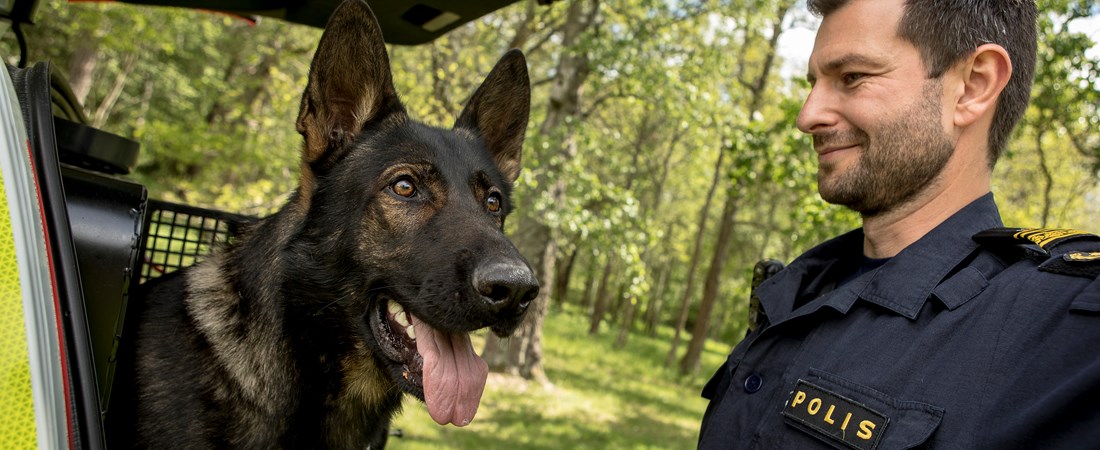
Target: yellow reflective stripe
<point>16,401</point>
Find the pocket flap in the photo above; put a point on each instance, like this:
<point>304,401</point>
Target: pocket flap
<point>839,411</point>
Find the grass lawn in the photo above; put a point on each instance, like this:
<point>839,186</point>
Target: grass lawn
<point>601,397</point>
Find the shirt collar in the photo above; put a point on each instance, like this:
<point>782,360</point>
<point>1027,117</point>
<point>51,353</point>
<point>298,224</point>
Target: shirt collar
<point>780,294</point>
<point>901,285</point>
<point>905,282</point>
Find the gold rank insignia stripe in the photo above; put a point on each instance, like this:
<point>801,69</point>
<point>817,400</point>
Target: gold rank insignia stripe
<point>1044,237</point>
<point>1081,260</point>
<point>1082,256</point>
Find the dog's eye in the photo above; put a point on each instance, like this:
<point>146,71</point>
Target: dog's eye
<point>403,187</point>
<point>492,202</point>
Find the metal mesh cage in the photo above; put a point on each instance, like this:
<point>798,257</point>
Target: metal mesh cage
<point>178,236</point>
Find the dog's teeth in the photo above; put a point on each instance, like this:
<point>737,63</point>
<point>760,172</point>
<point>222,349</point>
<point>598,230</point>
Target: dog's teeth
<point>409,331</point>
<point>393,307</point>
<point>401,319</point>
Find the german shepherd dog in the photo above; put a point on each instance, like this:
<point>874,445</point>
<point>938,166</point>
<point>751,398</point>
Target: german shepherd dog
<point>306,330</point>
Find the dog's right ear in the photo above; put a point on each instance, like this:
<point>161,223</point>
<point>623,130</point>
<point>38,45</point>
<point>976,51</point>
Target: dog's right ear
<point>349,86</point>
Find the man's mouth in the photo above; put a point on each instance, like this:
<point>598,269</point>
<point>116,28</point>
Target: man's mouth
<point>437,366</point>
<point>822,151</point>
<point>834,141</point>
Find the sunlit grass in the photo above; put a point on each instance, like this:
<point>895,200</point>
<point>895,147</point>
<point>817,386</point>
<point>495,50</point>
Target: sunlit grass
<point>600,397</point>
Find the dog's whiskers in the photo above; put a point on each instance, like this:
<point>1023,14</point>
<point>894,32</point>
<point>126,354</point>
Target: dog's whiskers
<point>323,308</point>
<point>350,296</point>
<point>391,286</point>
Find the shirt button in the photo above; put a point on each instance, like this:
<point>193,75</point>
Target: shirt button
<point>753,383</point>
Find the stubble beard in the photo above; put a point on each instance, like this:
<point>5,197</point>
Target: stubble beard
<point>905,156</point>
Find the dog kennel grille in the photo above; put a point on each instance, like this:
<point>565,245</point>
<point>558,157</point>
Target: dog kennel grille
<point>178,236</point>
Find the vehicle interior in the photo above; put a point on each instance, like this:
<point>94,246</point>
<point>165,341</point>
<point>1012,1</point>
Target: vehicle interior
<point>106,234</point>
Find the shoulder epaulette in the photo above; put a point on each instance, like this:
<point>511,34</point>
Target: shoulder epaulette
<point>1045,242</point>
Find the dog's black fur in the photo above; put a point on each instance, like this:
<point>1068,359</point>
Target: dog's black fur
<point>281,339</point>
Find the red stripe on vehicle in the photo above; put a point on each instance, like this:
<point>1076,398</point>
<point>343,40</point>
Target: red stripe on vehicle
<point>56,302</point>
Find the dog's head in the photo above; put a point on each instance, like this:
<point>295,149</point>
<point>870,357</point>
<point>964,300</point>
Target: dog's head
<point>408,218</point>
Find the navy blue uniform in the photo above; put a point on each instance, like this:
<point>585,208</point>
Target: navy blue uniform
<point>950,344</point>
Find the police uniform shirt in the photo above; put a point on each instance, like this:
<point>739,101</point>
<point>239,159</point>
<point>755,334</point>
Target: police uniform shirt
<point>950,344</point>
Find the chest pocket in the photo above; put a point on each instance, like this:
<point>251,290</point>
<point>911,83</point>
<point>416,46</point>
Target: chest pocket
<point>852,416</point>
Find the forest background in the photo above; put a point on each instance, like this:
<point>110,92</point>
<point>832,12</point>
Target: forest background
<point>661,160</point>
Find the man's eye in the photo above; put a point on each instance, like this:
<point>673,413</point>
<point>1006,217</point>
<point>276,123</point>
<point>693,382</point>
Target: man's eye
<point>852,77</point>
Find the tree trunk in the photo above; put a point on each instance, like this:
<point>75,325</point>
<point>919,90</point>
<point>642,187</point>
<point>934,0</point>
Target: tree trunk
<point>526,27</point>
<point>1048,179</point>
<point>103,111</point>
<point>218,109</point>
<point>756,86</point>
<point>441,84</point>
<point>768,231</point>
<point>143,108</point>
<point>626,306</point>
<point>590,282</point>
<point>602,298</point>
<point>628,320</point>
<point>696,256</point>
<point>538,241</point>
<point>561,287</point>
<point>496,354</point>
<point>82,66</point>
<point>657,301</point>
<point>690,363</point>
<point>616,308</point>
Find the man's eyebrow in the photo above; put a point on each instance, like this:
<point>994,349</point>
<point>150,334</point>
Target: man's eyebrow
<point>847,59</point>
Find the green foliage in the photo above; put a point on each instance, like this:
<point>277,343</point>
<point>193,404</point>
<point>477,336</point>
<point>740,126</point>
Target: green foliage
<point>1049,172</point>
<point>211,98</point>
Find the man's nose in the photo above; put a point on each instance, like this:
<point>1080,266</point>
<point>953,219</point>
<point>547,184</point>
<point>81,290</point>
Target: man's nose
<point>818,111</point>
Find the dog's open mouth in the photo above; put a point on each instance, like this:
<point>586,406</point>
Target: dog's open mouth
<point>442,365</point>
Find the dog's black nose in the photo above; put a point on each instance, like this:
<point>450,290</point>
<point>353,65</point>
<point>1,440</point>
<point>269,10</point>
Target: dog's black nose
<point>508,287</point>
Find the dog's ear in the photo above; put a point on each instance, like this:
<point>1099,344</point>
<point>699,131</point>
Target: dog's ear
<point>498,111</point>
<point>349,86</point>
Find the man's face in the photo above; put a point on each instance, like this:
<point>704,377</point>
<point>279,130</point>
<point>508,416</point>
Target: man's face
<point>876,120</point>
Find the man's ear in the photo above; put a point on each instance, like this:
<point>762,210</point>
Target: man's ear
<point>983,77</point>
<point>497,112</point>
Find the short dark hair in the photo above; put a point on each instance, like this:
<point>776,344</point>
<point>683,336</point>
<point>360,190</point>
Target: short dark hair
<point>946,31</point>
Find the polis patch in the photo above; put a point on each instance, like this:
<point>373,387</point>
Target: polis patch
<point>833,417</point>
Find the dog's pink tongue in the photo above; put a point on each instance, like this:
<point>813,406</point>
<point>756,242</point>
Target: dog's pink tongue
<point>454,376</point>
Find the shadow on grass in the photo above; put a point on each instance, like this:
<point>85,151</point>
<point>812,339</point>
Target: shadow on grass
<point>639,392</point>
<point>602,397</point>
<point>529,428</point>
<point>629,431</point>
